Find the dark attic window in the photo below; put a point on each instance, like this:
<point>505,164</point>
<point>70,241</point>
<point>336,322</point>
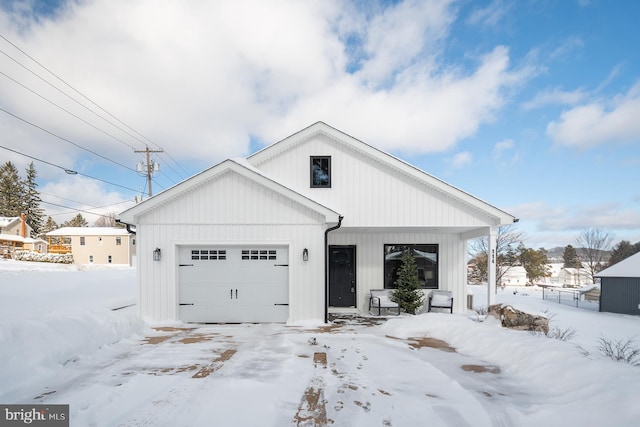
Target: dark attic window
<point>320,171</point>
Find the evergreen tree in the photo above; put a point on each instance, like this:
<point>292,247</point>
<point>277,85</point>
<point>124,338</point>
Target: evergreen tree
<point>48,226</point>
<point>408,294</point>
<point>11,191</point>
<point>534,262</point>
<point>31,202</point>
<point>623,250</point>
<point>571,258</point>
<point>76,221</point>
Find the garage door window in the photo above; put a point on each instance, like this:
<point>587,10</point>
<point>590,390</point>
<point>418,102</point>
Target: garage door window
<point>259,254</point>
<point>208,254</point>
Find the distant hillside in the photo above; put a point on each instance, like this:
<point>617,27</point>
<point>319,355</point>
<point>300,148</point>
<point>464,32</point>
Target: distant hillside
<point>555,254</point>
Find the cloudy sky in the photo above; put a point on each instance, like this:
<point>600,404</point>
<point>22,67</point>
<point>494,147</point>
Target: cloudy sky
<point>530,105</point>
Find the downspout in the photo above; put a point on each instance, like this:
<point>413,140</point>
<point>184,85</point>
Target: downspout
<point>128,226</point>
<point>326,268</point>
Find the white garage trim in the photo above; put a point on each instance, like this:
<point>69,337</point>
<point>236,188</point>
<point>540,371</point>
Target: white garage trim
<point>233,283</point>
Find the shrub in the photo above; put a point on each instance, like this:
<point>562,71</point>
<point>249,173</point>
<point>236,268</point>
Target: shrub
<point>620,351</point>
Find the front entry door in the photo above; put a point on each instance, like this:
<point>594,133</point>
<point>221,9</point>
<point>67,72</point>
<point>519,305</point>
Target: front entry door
<point>342,276</point>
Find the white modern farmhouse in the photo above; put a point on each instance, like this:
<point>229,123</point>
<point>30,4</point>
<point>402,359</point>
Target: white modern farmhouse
<point>303,228</point>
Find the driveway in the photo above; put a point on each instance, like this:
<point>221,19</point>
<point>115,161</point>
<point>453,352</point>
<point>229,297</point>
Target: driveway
<point>345,374</point>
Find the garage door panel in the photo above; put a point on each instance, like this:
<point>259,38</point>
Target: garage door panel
<point>233,284</point>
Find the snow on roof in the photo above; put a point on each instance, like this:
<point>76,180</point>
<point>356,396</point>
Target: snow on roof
<point>6,220</point>
<point>89,231</point>
<point>628,267</point>
<point>17,238</point>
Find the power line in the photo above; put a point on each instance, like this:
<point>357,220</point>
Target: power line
<point>88,99</point>
<point>73,210</point>
<point>65,139</point>
<point>68,171</point>
<point>67,111</point>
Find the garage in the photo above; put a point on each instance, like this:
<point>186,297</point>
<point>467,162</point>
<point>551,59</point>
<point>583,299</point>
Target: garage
<point>233,284</point>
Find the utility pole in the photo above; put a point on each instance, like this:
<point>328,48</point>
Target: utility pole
<point>150,167</point>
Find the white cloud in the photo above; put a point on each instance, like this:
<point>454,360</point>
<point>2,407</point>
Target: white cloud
<point>461,160</point>
<point>201,79</point>
<point>505,154</point>
<point>491,15</point>
<point>555,96</point>
<point>599,122</point>
<point>569,45</point>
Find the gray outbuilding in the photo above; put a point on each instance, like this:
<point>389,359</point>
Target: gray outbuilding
<point>620,287</point>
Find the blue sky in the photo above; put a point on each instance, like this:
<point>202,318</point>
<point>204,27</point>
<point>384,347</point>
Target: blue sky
<point>531,105</point>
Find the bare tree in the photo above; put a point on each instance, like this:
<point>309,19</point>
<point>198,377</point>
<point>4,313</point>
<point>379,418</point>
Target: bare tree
<point>507,237</point>
<point>594,243</point>
<point>107,220</point>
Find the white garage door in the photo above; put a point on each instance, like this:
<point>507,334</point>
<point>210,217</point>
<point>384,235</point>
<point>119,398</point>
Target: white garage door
<point>233,284</point>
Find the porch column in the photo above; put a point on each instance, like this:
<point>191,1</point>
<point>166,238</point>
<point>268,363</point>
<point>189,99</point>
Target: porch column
<point>491,270</point>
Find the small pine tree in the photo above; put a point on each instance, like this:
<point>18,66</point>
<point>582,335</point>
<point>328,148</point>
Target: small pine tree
<point>408,294</point>
<point>11,191</point>
<point>31,202</point>
<point>76,221</point>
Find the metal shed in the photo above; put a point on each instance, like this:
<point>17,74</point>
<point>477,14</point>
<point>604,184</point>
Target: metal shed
<point>620,287</point>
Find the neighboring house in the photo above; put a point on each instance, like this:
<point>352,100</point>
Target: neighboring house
<point>514,276</point>
<point>15,235</point>
<point>302,228</point>
<point>620,286</point>
<point>94,245</point>
<point>567,277</point>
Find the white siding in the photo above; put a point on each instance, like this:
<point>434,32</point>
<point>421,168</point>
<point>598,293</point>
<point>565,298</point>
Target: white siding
<point>366,192</point>
<point>370,261</point>
<point>231,210</point>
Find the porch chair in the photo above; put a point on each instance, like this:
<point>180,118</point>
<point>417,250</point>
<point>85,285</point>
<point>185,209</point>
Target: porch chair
<point>380,298</point>
<point>440,299</point>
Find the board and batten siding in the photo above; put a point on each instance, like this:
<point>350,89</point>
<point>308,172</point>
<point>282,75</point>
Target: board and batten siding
<point>370,260</point>
<point>366,191</point>
<point>159,284</point>
<point>242,212</point>
<point>620,295</point>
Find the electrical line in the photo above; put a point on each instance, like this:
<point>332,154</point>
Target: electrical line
<point>67,111</point>
<point>69,171</point>
<point>68,96</point>
<point>80,210</point>
<point>88,99</point>
<point>74,210</point>
<point>66,140</point>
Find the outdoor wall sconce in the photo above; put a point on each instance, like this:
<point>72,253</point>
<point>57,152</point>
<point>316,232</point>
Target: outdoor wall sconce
<point>305,254</point>
<point>156,254</point>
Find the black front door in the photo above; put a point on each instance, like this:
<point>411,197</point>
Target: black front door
<point>342,276</point>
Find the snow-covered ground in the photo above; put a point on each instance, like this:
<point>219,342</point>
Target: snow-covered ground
<point>61,342</point>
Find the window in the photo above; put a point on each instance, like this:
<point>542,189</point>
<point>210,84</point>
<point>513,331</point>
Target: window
<point>133,242</point>
<point>99,240</point>
<point>82,241</point>
<point>118,241</point>
<point>91,258</point>
<point>426,257</point>
<point>259,254</point>
<point>109,259</point>
<point>209,254</point>
<point>320,171</point>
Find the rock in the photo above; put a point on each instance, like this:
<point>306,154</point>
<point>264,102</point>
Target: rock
<point>516,319</point>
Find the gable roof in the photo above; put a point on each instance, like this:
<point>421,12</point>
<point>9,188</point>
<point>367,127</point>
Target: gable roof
<point>6,221</point>
<point>383,157</point>
<point>239,166</point>
<point>628,267</point>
